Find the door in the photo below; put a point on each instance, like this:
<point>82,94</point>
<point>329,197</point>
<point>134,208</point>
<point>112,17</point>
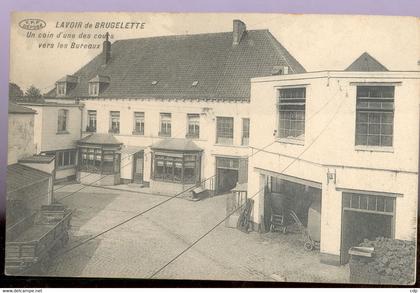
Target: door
<point>138,167</point>
<point>227,174</point>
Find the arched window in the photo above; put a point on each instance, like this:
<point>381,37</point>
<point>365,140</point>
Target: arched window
<point>62,120</point>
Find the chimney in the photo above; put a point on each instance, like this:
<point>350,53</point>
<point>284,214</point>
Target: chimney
<point>239,28</point>
<point>106,49</point>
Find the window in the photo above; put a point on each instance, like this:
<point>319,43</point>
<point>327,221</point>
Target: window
<point>93,88</point>
<point>375,116</point>
<point>115,122</point>
<point>62,120</point>
<point>91,127</point>
<point>177,167</point>
<point>96,160</point>
<point>366,202</point>
<point>245,131</point>
<point>193,130</point>
<point>292,113</point>
<point>224,131</point>
<point>64,158</point>
<point>138,123</point>
<point>61,89</point>
<point>165,124</point>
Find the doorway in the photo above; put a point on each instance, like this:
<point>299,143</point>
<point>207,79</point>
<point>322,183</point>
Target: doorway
<point>138,167</point>
<point>227,174</point>
<point>365,217</point>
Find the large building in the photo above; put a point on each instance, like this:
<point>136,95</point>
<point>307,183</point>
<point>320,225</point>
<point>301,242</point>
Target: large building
<point>172,111</point>
<point>237,110</point>
<point>57,129</point>
<point>29,179</point>
<point>345,141</point>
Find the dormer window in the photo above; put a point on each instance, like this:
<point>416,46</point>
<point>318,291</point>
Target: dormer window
<point>61,89</point>
<point>94,89</point>
<point>65,85</point>
<point>98,84</point>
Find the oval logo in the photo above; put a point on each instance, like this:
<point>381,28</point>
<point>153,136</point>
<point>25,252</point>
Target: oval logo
<point>32,24</point>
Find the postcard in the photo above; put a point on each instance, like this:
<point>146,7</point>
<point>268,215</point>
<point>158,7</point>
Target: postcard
<point>213,146</point>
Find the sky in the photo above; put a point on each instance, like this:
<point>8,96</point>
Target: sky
<point>318,42</point>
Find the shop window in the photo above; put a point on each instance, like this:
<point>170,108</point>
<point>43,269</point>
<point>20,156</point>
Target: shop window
<point>375,116</point>
<point>291,107</point>
<point>224,130</point>
<point>96,160</point>
<point>183,168</point>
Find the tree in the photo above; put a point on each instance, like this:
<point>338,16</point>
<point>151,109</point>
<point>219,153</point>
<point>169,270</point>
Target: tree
<point>15,92</point>
<point>33,92</point>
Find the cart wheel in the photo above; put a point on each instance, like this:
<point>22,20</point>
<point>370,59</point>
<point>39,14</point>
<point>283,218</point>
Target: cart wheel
<point>308,246</point>
<point>284,230</point>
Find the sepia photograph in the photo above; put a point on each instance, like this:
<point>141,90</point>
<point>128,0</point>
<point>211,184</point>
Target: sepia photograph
<point>213,146</point>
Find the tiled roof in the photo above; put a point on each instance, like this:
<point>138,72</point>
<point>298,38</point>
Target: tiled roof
<point>176,144</point>
<point>20,176</point>
<point>366,63</point>
<point>100,138</point>
<point>17,109</point>
<point>37,159</point>
<point>223,70</point>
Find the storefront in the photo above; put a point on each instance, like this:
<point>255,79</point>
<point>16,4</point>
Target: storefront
<point>176,165</point>
<point>99,159</point>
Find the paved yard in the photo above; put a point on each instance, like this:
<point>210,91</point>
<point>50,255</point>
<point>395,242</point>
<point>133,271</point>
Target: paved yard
<point>140,247</point>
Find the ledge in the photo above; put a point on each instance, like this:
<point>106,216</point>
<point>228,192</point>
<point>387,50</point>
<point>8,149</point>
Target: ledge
<point>291,141</point>
<point>374,149</point>
<point>62,132</point>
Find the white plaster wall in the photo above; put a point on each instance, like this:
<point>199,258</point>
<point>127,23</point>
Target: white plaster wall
<point>20,137</point>
<point>46,136</point>
<point>330,143</point>
<point>179,109</point>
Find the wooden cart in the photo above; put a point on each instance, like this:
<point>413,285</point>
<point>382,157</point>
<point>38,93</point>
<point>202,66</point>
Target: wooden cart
<point>32,241</point>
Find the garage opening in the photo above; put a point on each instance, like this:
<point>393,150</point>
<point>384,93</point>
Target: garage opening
<point>230,172</point>
<point>365,217</point>
<point>304,200</point>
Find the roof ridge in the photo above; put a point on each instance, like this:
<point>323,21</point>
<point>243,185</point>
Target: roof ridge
<point>183,35</point>
<point>283,51</point>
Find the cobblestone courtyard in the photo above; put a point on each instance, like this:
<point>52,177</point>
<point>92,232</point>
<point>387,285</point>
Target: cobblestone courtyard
<point>141,246</point>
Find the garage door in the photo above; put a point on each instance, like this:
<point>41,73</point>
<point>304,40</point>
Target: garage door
<point>230,171</point>
<point>365,217</point>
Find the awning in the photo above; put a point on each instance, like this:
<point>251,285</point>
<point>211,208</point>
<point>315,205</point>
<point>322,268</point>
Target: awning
<point>100,138</point>
<point>176,144</point>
